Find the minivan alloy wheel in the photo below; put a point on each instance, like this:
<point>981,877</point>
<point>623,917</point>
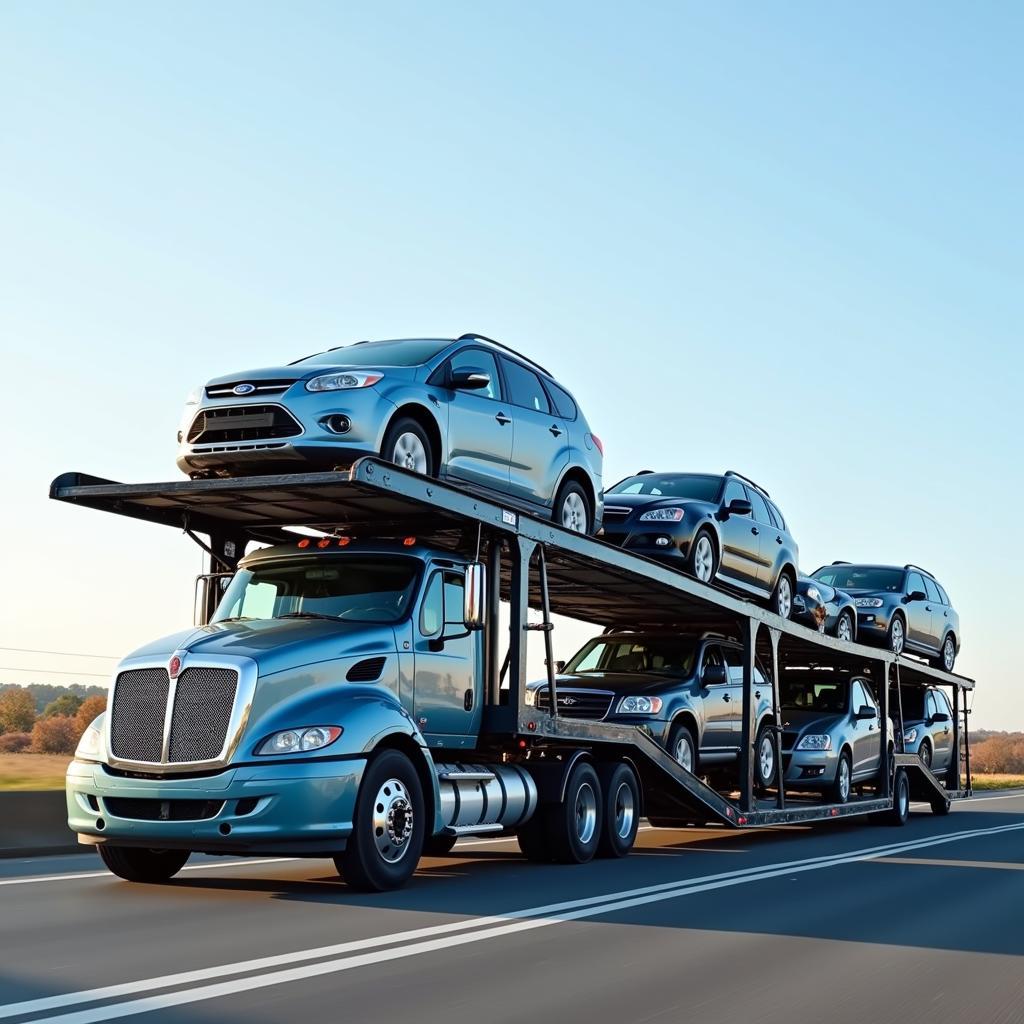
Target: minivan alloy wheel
<point>703,559</point>
<point>409,453</point>
<point>948,654</point>
<point>783,597</point>
<point>574,512</point>
<point>897,635</point>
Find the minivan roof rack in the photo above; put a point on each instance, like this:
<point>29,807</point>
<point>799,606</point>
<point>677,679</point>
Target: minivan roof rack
<point>841,562</point>
<point>471,336</point>
<point>746,479</point>
<point>909,566</point>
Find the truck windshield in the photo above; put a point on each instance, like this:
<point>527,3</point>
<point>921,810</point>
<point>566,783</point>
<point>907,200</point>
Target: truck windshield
<point>861,577</point>
<point>672,655</point>
<point>344,587</point>
<point>696,486</point>
<point>380,353</point>
<point>811,695</point>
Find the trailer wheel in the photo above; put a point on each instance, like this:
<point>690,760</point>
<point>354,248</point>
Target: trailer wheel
<point>567,831</point>
<point>439,845</point>
<point>533,842</point>
<point>621,810</point>
<point>387,831</point>
<point>900,799</point>
<point>941,807</point>
<point>138,865</point>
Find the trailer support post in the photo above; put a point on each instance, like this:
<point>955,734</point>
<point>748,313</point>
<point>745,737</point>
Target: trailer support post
<point>747,739</point>
<point>518,625</point>
<point>780,797</point>
<point>493,646</point>
<point>883,700</point>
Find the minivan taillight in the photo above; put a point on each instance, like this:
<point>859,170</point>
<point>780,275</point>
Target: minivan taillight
<point>597,441</point>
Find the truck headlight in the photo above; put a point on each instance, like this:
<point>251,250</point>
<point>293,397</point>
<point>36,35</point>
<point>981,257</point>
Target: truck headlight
<point>343,381</point>
<point>90,746</point>
<point>815,741</point>
<point>639,705</point>
<point>663,515</point>
<point>910,736</point>
<point>869,602</point>
<point>299,741</point>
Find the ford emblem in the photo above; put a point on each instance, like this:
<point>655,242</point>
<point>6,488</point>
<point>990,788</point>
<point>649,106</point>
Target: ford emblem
<point>243,389</point>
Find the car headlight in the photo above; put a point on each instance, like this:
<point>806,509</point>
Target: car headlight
<point>195,396</point>
<point>299,741</point>
<point>343,381</point>
<point>815,741</point>
<point>814,593</point>
<point>663,515</point>
<point>90,745</point>
<point>531,698</point>
<point>869,602</point>
<point>910,736</point>
<point>639,705</point>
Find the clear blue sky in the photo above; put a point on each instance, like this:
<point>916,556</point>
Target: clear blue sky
<point>780,238</point>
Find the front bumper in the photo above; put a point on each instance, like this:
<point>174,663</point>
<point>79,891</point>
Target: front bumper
<point>810,769</point>
<point>300,808</point>
<point>659,541</point>
<point>873,626</point>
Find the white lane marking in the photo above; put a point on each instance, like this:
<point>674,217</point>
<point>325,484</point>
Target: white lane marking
<point>473,930</point>
<point>983,799</point>
<point>205,866</point>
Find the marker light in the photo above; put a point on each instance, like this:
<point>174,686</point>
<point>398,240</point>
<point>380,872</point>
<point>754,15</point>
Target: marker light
<point>324,542</point>
<point>409,541</point>
<point>304,543</point>
<point>343,542</point>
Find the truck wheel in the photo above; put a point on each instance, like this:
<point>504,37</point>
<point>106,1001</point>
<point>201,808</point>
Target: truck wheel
<point>439,845</point>
<point>621,810</point>
<point>574,825</point>
<point>388,827</point>
<point>139,865</point>
<point>900,799</point>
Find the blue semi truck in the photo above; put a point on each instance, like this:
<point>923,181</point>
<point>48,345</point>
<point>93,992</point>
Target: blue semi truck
<point>357,690</point>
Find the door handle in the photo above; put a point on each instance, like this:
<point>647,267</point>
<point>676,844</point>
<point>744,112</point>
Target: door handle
<point>754,530</point>
<point>554,430</point>
<point>503,419</point>
<point>467,701</point>
<point>778,540</point>
<point>927,607</point>
<point>757,694</point>
<point>726,698</point>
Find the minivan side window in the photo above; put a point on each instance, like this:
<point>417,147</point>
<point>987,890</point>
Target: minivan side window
<point>524,387</point>
<point>932,591</point>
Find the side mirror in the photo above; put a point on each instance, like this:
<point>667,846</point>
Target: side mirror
<point>474,614</point>
<point>866,713</point>
<point>939,718</point>
<point>560,666</point>
<point>469,380</point>
<point>738,507</point>
<point>917,595</point>
<point>714,675</point>
<point>209,589</point>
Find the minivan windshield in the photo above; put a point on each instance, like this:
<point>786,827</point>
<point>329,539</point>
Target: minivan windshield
<point>696,486</point>
<point>861,577</point>
<point>348,588</point>
<point>814,694</point>
<point>669,654</point>
<point>410,352</point>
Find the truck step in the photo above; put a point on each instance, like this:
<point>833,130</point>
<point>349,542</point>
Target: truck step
<point>472,830</point>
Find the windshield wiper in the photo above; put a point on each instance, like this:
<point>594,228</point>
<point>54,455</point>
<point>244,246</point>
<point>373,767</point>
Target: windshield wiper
<point>235,618</point>
<point>309,615</point>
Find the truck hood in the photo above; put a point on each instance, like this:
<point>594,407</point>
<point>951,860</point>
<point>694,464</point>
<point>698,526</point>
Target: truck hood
<point>276,644</point>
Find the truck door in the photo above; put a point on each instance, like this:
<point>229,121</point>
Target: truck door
<point>448,665</point>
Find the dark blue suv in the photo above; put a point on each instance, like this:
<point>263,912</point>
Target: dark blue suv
<point>901,608</point>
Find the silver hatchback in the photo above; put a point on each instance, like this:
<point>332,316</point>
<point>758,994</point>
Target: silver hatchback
<point>468,410</point>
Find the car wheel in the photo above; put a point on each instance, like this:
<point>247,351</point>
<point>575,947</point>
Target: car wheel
<point>700,562</point>
<point>897,634</point>
<point>843,784</point>
<point>140,865</point>
<point>572,508</point>
<point>947,657</point>
<point>764,751</point>
<point>388,827</point>
<point>782,596</point>
<point>844,628</point>
<point>406,444</point>
<point>683,747</point>
<point>621,810</point>
<point>925,753</point>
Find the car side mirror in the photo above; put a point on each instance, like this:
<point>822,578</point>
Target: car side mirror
<point>866,712</point>
<point>714,675</point>
<point>917,595</point>
<point>560,666</point>
<point>469,380</point>
<point>939,718</point>
<point>738,507</point>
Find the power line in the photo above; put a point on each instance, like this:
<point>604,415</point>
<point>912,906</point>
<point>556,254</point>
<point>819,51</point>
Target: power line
<point>61,654</point>
<point>54,672</point>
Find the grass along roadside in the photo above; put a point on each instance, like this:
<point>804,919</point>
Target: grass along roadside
<point>997,781</point>
<point>32,771</point>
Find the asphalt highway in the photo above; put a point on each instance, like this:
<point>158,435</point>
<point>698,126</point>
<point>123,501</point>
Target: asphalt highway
<point>839,922</point>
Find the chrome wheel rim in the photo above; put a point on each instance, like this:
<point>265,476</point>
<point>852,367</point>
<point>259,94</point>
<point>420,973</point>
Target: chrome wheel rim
<point>926,755</point>
<point>948,654</point>
<point>844,779</point>
<point>703,559</point>
<point>683,752</point>
<point>766,758</point>
<point>625,810</point>
<point>393,821</point>
<point>574,512</point>
<point>897,636</point>
<point>784,597</point>
<point>904,799</point>
<point>845,630</point>
<point>410,453</point>
<point>586,813</point>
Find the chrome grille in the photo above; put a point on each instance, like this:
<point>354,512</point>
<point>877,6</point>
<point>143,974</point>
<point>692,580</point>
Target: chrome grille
<point>137,714</point>
<point>203,701</point>
<point>259,387</point>
<point>591,704</point>
<point>232,424</point>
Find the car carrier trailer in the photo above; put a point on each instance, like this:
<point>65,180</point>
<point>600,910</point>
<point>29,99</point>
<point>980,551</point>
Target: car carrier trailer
<point>569,788</point>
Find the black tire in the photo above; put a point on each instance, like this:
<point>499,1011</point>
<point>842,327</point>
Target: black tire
<point>439,845</point>
<point>621,810</point>
<point>408,426</point>
<point>135,864</point>
<point>839,793</point>
<point>782,596</point>
<point>890,636</point>
<point>578,519</point>
<point>533,840</point>
<point>765,779</point>
<point>697,564</point>
<point>365,865</point>
<point>900,799</point>
<point>941,807</point>
<point>573,826</point>
<point>681,732</point>
<point>946,659</point>
<point>848,617</point>
<point>925,753</point>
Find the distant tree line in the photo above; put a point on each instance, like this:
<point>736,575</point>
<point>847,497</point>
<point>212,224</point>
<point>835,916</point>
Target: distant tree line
<point>998,752</point>
<point>44,694</point>
<point>46,719</point>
